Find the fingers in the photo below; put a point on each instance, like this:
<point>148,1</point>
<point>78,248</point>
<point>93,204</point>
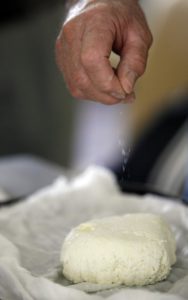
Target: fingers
<point>85,44</point>
<point>96,48</point>
<point>134,56</point>
<point>85,64</point>
<point>75,76</point>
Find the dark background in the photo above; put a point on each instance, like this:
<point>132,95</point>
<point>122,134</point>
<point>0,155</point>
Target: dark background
<point>36,110</point>
<point>18,10</point>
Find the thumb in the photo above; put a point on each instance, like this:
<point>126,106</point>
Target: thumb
<point>133,61</point>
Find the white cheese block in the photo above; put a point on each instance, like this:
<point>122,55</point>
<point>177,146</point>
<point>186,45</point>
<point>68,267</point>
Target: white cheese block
<point>134,249</point>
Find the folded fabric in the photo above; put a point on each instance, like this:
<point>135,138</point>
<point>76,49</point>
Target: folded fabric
<point>32,232</point>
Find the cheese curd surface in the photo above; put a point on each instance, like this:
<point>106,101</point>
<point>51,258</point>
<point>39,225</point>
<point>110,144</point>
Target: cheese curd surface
<point>133,249</point>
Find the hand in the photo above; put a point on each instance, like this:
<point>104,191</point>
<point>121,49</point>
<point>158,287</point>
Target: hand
<point>93,29</point>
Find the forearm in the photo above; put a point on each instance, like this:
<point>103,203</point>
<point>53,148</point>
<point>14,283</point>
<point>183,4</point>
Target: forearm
<point>70,3</point>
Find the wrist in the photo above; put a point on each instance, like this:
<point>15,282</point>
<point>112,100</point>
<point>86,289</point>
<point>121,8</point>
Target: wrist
<point>73,7</point>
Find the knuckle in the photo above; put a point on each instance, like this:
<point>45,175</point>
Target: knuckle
<point>76,93</point>
<point>80,80</point>
<point>74,90</point>
<point>67,31</point>
<point>140,66</point>
<point>106,86</point>
<point>89,58</point>
<point>138,62</point>
<point>146,37</point>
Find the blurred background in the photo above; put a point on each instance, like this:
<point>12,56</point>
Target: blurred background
<point>35,109</point>
<point>144,143</point>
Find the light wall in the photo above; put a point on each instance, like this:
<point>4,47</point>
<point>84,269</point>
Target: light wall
<point>167,69</point>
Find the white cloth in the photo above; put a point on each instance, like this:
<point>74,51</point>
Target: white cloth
<point>32,232</point>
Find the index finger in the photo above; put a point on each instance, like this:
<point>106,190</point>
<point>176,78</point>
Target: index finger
<point>134,56</point>
<point>96,48</point>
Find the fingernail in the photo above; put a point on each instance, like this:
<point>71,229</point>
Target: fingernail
<point>131,77</point>
<point>118,96</point>
<point>130,98</point>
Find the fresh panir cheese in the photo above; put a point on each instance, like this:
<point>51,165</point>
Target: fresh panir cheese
<point>133,249</point>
